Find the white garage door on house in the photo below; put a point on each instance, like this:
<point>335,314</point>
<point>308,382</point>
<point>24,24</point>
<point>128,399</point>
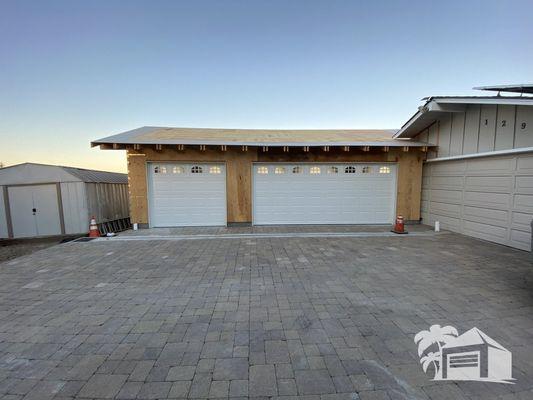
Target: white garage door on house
<point>489,198</point>
<point>192,194</point>
<point>34,210</point>
<point>323,193</point>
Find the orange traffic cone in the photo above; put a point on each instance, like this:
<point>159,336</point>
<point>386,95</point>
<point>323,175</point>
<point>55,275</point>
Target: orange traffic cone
<point>93,228</point>
<point>399,226</point>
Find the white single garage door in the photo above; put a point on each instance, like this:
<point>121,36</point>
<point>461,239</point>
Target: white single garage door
<point>489,198</point>
<point>187,194</point>
<point>324,193</point>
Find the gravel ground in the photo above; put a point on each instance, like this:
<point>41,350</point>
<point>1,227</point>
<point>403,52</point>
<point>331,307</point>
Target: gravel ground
<point>10,249</point>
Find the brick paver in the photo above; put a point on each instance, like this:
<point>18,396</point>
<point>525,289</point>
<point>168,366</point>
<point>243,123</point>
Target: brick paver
<point>310,318</point>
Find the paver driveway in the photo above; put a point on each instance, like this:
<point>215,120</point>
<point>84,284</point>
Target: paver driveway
<point>311,317</point>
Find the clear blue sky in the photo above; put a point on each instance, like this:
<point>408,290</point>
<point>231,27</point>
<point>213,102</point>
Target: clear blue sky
<point>73,71</point>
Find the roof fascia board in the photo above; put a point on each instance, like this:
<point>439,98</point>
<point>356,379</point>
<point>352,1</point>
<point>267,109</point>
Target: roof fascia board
<point>496,100</point>
<point>392,143</point>
<point>435,105</point>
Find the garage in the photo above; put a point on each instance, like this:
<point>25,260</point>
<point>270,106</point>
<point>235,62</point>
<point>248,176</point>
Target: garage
<point>192,194</point>
<point>324,193</point>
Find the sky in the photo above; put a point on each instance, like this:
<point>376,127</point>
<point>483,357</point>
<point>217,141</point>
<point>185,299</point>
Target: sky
<point>76,71</point>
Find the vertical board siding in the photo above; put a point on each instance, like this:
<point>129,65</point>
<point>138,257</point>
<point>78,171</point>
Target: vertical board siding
<point>445,132</point>
<point>487,129</point>
<point>3,217</point>
<point>480,129</point>
<point>505,128</point>
<point>456,140</point>
<point>489,198</point>
<point>107,201</point>
<point>74,207</point>
<point>524,127</point>
<point>471,131</point>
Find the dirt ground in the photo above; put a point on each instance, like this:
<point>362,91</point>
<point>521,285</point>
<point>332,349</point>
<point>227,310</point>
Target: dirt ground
<point>10,249</point>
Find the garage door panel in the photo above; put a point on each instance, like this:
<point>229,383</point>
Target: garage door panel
<point>524,184</point>
<point>480,214</point>
<point>497,203</point>
<point>488,200</point>
<point>332,194</point>
<point>489,183</point>
<point>523,202</point>
<point>187,194</point>
<point>521,221</point>
<point>521,239</point>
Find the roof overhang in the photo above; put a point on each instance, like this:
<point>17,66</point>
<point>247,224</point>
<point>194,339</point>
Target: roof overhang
<point>170,137</point>
<point>436,107</point>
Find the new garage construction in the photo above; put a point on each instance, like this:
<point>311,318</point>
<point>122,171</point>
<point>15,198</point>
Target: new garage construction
<point>46,200</point>
<point>200,177</point>
<point>475,154</point>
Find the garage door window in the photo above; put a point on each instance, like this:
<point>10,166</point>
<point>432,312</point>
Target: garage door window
<point>262,170</point>
<point>177,170</point>
<point>160,169</point>
<point>197,169</point>
<point>367,170</point>
<point>384,170</point>
<point>215,170</point>
<point>279,170</point>
<point>314,170</point>
<point>297,170</point>
<point>349,170</point>
<point>333,170</point>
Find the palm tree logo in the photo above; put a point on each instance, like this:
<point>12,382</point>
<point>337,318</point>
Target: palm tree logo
<point>434,338</point>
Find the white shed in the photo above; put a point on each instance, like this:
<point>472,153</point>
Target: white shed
<point>44,200</point>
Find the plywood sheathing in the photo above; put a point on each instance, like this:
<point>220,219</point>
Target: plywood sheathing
<point>239,174</point>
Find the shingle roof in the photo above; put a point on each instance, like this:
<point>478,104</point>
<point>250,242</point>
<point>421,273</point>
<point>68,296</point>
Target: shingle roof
<point>257,137</point>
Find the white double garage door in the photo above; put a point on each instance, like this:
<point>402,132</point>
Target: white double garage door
<point>194,194</point>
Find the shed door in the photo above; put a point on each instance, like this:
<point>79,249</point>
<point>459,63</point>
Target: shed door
<point>324,193</point>
<point>34,210</point>
<point>187,194</point>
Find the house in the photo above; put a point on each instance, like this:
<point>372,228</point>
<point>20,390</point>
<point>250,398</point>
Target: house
<point>478,180</point>
<point>44,200</point>
<point>195,177</point>
<point>475,356</point>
